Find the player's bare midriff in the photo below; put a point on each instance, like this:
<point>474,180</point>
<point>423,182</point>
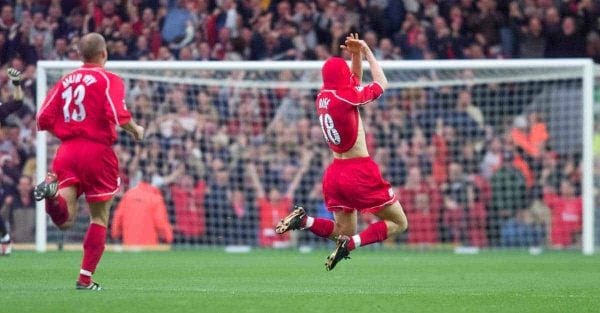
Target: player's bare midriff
<point>359,150</point>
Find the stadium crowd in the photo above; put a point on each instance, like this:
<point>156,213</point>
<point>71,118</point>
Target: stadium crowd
<point>230,164</point>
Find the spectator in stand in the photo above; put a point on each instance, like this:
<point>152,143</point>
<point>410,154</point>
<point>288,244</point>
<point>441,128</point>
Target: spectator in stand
<point>422,202</point>
<point>120,51</point>
<point>532,40</point>
<point>223,222</point>
<point>492,160</point>
<point>141,217</point>
<point>464,103</point>
<point>60,50</point>
<point>593,47</point>
<point>7,18</point>
<point>566,208</point>
<point>388,51</point>
<point>425,220</point>
<point>444,45</point>
<point>412,39</point>
<point>519,138</point>
<point>518,231</point>
<point>41,31</point>
<point>508,196</point>
<point>188,201</point>
<point>568,43</point>
<point>531,139</point>
<point>486,24</point>
<point>22,211</point>
<point>274,206</point>
<point>177,20</point>
<point>541,218</point>
<point>476,212</point>
<point>454,206</point>
<point>179,115</point>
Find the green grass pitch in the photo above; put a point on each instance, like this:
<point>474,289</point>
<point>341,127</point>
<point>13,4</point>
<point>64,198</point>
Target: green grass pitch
<point>288,281</point>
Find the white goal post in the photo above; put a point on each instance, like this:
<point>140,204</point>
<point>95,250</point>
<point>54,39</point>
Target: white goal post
<point>525,70</point>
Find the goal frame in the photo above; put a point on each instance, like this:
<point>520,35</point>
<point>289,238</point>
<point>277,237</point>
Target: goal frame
<point>586,66</point>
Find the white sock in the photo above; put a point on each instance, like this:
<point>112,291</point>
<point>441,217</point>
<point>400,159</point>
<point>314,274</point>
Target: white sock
<point>86,273</point>
<point>356,239</point>
<point>309,222</point>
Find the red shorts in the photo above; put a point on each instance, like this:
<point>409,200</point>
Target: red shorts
<point>92,167</point>
<point>356,184</point>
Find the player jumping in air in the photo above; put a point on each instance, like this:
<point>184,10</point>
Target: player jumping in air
<point>5,110</point>
<point>82,110</point>
<point>353,181</point>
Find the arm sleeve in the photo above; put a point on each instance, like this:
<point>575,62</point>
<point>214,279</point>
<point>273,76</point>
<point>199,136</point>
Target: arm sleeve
<point>49,112</point>
<point>116,100</point>
<point>369,92</point>
<point>361,94</point>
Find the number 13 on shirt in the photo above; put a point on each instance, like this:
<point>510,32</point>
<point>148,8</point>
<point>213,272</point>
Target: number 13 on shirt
<point>78,113</point>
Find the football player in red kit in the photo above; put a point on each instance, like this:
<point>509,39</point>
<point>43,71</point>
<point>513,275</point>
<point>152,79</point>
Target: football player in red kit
<point>83,110</point>
<point>352,183</point>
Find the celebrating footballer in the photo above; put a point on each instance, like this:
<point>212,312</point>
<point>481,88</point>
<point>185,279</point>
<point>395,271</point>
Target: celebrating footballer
<point>352,183</point>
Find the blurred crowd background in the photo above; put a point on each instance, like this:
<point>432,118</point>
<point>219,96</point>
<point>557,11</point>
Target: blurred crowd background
<point>472,165</point>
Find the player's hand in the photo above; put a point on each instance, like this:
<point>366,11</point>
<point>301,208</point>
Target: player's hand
<point>14,76</point>
<point>352,44</point>
<point>139,133</point>
<point>364,47</point>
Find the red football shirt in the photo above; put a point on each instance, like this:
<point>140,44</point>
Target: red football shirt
<point>271,213</point>
<point>566,218</point>
<point>189,209</point>
<point>87,103</point>
<point>338,113</point>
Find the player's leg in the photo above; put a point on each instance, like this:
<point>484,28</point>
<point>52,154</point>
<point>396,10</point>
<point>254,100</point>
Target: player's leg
<point>93,244</point>
<point>344,223</point>
<point>66,197</point>
<point>373,191</point>
<point>100,183</point>
<point>61,188</point>
<point>61,205</point>
<point>393,220</point>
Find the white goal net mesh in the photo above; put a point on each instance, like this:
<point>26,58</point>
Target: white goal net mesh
<point>485,157</point>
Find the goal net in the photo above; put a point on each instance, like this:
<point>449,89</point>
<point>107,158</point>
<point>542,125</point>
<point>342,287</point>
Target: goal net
<point>481,154</point>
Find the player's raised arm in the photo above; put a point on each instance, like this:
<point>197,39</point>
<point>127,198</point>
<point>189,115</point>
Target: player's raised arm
<point>353,45</point>
<point>376,70</point>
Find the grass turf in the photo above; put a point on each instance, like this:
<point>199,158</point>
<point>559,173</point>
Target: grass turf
<point>288,281</point>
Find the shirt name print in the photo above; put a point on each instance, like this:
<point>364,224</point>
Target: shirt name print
<point>77,78</point>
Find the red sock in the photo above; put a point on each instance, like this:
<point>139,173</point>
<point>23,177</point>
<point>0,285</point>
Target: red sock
<point>57,209</point>
<point>376,232</point>
<point>321,227</point>
<point>93,246</point>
